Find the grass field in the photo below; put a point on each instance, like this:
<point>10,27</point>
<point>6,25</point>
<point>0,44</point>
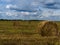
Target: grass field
<point>24,33</point>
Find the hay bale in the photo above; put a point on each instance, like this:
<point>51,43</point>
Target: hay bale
<point>48,28</point>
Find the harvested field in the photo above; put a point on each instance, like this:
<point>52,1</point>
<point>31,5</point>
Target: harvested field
<point>29,33</point>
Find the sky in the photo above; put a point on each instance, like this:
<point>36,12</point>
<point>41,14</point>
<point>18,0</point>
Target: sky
<point>30,9</point>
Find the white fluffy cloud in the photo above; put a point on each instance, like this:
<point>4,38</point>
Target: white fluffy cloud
<point>10,5</point>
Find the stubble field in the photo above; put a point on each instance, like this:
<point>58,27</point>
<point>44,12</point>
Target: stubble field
<point>24,33</point>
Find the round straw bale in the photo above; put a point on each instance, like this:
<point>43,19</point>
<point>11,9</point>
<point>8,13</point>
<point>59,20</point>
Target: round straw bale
<point>48,28</point>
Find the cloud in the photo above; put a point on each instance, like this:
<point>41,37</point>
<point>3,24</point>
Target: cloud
<point>50,12</point>
<point>49,1</point>
<point>8,6</point>
<point>47,13</point>
<point>35,3</point>
<point>10,13</point>
<point>11,6</point>
<point>25,13</point>
<point>6,1</point>
<point>56,13</point>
